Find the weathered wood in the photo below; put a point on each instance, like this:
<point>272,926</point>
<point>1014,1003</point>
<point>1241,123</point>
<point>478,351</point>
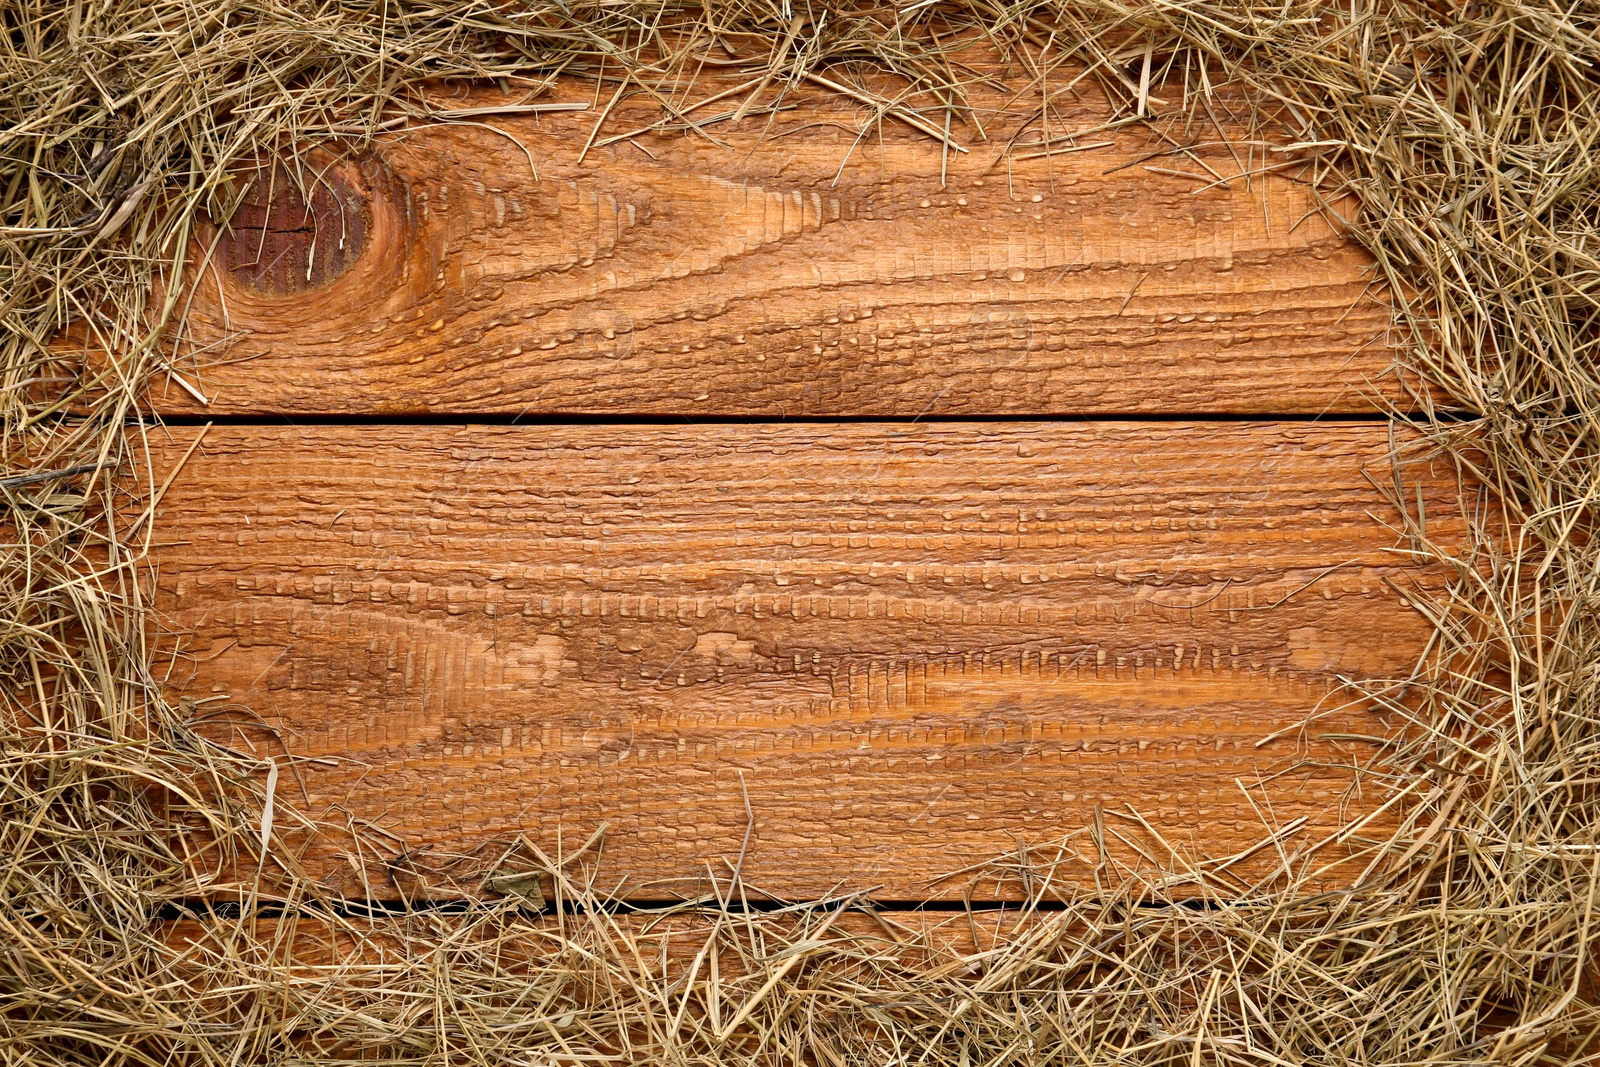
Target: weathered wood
<point>796,267</point>
<point>908,644</point>
<point>312,941</point>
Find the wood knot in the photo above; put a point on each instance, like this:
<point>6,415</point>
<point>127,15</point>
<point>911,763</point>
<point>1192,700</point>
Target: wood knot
<point>295,229</point>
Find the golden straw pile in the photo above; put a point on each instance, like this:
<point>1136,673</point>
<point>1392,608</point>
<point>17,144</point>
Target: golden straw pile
<point>1467,131</point>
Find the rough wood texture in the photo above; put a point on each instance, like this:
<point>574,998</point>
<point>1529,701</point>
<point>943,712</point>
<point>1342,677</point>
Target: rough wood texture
<point>909,644</point>
<point>796,267</point>
<point>312,941</point>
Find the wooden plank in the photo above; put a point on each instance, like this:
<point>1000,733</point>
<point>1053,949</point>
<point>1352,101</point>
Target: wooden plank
<point>908,644</point>
<point>310,942</point>
<point>791,267</point>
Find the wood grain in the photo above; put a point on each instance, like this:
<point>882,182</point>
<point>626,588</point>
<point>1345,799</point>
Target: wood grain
<point>311,942</point>
<point>803,262</point>
<point>910,645</point>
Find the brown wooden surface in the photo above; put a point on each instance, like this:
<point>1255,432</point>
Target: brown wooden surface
<point>313,941</point>
<point>910,645</point>
<point>787,264</point>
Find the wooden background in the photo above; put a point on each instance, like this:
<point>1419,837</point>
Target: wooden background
<point>893,502</point>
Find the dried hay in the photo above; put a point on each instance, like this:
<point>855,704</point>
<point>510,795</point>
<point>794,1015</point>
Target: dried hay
<point>1468,133</point>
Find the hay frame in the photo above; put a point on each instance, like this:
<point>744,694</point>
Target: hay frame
<point>1468,135</point>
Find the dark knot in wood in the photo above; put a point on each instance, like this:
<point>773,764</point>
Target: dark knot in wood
<point>295,231</point>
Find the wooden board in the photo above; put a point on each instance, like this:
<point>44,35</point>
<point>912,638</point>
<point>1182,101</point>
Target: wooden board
<point>313,941</point>
<point>908,646</point>
<point>804,262</point>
